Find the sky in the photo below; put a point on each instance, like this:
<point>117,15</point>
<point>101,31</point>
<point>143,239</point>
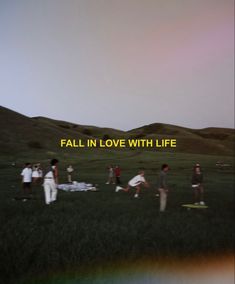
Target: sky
<point>119,63</point>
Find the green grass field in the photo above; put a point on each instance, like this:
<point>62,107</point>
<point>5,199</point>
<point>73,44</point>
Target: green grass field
<point>85,232</point>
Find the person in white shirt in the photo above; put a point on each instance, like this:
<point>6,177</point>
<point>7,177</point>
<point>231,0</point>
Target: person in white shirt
<point>110,175</point>
<point>40,172</point>
<point>26,181</point>
<point>35,174</point>
<point>70,171</point>
<point>51,182</point>
<point>136,182</point>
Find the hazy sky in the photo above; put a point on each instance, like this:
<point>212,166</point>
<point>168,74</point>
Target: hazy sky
<point>119,63</point>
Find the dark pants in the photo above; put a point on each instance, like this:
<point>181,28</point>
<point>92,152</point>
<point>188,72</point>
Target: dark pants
<point>118,181</point>
<point>27,189</point>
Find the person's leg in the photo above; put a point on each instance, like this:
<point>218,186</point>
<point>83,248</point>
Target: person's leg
<point>137,191</point>
<point>163,199</point>
<point>47,191</point>
<point>53,192</point>
<point>126,189</point>
<point>24,187</point>
<point>30,189</point>
<point>201,198</point>
<point>27,190</point>
<point>109,180</point>
<point>196,196</point>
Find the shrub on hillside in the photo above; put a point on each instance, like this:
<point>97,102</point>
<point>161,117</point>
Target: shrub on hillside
<point>87,131</point>
<point>105,137</point>
<point>35,145</point>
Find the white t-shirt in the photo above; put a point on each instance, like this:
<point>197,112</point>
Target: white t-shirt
<point>69,170</point>
<point>27,175</point>
<point>136,180</point>
<point>49,175</point>
<point>35,174</point>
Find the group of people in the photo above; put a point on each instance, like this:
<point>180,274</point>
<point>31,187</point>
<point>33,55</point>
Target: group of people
<point>30,174</point>
<point>114,175</point>
<point>139,180</point>
<point>34,174</point>
<point>51,182</point>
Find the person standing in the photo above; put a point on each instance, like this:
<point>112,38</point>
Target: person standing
<point>26,181</point>
<point>162,187</point>
<point>40,172</point>
<point>69,172</point>
<point>51,182</point>
<point>35,174</point>
<point>118,175</point>
<point>197,179</point>
<point>110,175</point>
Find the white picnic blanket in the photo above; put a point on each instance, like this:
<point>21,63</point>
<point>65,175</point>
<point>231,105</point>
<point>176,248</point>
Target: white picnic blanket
<point>77,186</point>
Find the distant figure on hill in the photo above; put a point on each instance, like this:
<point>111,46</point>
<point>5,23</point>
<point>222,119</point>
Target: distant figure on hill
<point>197,180</point>
<point>118,175</point>
<point>136,182</point>
<point>26,181</point>
<point>70,171</point>
<point>51,182</point>
<point>110,175</point>
<point>162,187</point>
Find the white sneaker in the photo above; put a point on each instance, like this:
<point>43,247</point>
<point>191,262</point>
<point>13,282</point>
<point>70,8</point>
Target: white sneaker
<point>136,195</point>
<point>118,188</point>
<point>196,203</point>
<point>202,203</point>
<point>107,182</point>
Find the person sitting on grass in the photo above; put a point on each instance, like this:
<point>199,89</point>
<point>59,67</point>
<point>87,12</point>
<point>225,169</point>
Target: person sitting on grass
<point>136,182</point>
<point>197,179</point>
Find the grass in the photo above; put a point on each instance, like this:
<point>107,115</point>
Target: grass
<point>90,229</point>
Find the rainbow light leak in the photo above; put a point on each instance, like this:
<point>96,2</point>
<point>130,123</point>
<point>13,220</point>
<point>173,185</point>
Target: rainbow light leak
<point>203,270</point>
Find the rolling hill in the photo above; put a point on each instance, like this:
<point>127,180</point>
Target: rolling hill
<point>20,133</point>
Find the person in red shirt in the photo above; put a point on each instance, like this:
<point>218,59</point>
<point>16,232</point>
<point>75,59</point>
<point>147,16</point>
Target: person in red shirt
<point>118,175</point>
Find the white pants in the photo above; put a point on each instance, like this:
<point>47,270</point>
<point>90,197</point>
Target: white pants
<point>69,178</point>
<point>163,199</point>
<point>50,191</point>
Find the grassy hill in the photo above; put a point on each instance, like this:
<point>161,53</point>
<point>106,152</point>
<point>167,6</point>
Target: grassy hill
<point>215,141</point>
<point>20,133</point>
